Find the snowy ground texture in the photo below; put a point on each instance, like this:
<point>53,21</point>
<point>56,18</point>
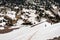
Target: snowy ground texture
<point>39,32</point>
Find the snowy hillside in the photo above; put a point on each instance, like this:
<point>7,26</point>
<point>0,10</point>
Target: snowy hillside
<point>29,20</point>
<point>39,32</point>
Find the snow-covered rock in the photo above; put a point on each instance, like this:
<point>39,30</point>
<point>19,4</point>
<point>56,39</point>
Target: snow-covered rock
<point>3,23</point>
<point>50,13</point>
<point>11,14</point>
<point>32,15</point>
<point>54,7</point>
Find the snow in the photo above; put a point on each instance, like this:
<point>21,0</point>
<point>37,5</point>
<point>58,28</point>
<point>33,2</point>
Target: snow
<point>16,7</point>
<point>19,22</point>
<point>25,10</point>
<point>1,18</point>
<point>1,7</point>
<point>32,15</point>
<point>2,14</point>
<point>54,7</point>
<point>39,32</point>
<point>49,12</point>
<point>3,23</point>
<point>42,8</point>
<point>47,33</point>
<point>11,14</point>
<point>59,13</point>
<point>1,28</point>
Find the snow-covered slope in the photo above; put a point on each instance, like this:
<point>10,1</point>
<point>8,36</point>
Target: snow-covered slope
<point>42,31</point>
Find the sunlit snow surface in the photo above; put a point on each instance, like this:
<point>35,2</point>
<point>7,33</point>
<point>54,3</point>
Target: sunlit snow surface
<point>39,32</point>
